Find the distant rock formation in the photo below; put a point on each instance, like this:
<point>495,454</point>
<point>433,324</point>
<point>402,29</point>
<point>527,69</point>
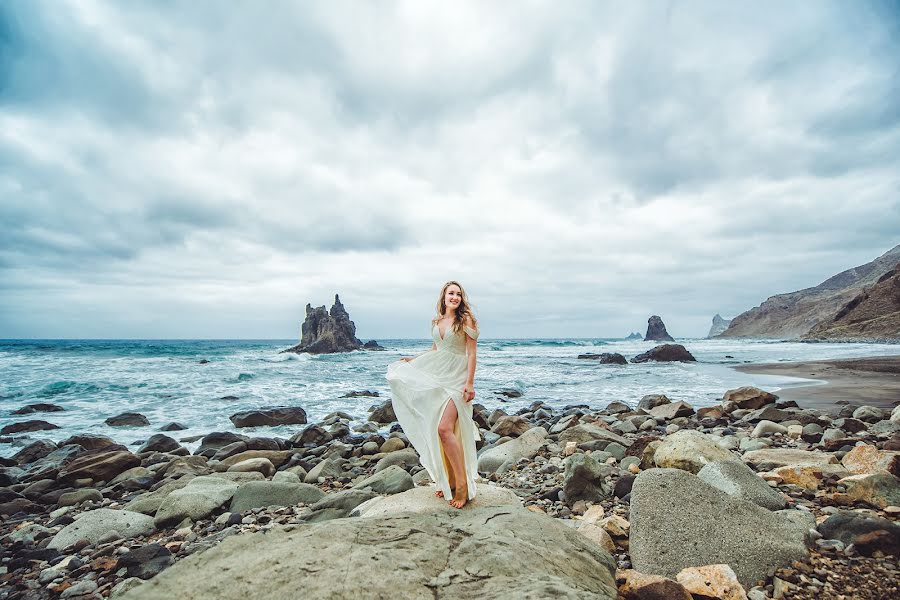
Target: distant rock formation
<point>790,316</point>
<point>718,325</point>
<point>656,331</point>
<point>326,332</point>
<point>606,358</point>
<point>636,335</point>
<point>872,316</point>
<point>665,353</point>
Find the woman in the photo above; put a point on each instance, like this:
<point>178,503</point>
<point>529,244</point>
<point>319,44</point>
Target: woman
<point>432,398</point>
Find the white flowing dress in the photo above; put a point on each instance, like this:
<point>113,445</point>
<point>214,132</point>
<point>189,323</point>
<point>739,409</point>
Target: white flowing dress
<point>421,390</point>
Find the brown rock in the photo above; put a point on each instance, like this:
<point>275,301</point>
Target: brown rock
<point>634,585</point>
<point>276,457</point>
<point>665,353</point>
<point>749,397</point>
<point>511,425</point>
<point>805,477</point>
<point>672,410</point>
<point>100,465</point>
<point>869,459</point>
<point>712,581</point>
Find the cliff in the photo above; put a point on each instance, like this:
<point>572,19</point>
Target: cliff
<point>791,315</point>
<point>873,315</point>
<point>718,325</point>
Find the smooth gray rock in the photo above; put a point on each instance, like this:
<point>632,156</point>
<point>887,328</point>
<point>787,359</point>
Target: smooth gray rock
<point>738,480</point>
<point>392,480</point>
<point>195,501</point>
<point>345,499</point>
<point>584,479</point>
<point>588,432</point>
<point>256,494</point>
<point>690,450</point>
<point>94,524</point>
<point>325,468</point>
<point>679,521</point>
<point>498,552</point>
<point>148,503</point>
<point>78,496</point>
<point>404,458</point>
<point>526,445</point>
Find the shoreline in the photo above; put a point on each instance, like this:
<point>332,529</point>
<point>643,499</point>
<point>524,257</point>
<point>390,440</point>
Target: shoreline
<point>827,384</point>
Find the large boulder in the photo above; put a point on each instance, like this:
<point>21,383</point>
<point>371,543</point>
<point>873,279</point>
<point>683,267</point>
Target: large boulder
<point>869,459</point>
<point>665,353</point>
<point>148,503</point>
<point>37,407</point>
<point>102,464</point>
<point>861,530</point>
<point>159,442</point>
<point>276,457</point>
<point>459,554</point>
<point>200,497</point>
<point>652,401</point>
<point>270,417</point>
<point>326,332</point>
<point>738,480</point>
<point>511,426</point>
<point>257,494</point>
<point>690,450</point>
<point>383,413</point>
<point>767,459</point>
<point>878,489</point>
<point>392,480</point>
<point>679,521</point>
<point>656,331</point>
<point>671,410</point>
<point>606,358</point>
<point>526,445</point>
<point>213,442</point>
<point>94,524</point>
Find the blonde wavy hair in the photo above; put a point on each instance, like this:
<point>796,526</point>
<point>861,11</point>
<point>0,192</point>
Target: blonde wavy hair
<point>464,310</point>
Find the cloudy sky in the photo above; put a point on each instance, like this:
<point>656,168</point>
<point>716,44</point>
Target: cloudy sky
<point>204,169</point>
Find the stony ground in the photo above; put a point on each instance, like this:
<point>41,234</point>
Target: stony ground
<point>577,465</point>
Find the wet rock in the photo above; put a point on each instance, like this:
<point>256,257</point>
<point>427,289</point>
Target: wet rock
<point>384,413</point>
<point>526,445</point>
<point>270,417</point>
<point>27,427</point>
<point>391,480</point>
<point>34,451</point>
<point>690,450</point>
<point>88,441</point>
<point>679,521</point>
<point>127,419</point>
<point>37,407</point>
<point>665,353</point>
<point>606,358</point>
<point>94,524</point>
<point>256,494</point>
<point>146,561</point>
<point>213,442</point>
<point>173,426</point>
<point>159,442</point>
<point>740,481</point>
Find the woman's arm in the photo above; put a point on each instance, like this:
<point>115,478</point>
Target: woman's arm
<point>471,345</point>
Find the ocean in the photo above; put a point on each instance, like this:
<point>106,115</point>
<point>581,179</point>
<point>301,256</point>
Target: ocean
<point>165,380</point>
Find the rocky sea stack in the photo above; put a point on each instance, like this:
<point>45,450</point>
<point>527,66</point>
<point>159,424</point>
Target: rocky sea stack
<point>656,331</point>
<point>327,332</point>
<point>719,325</point>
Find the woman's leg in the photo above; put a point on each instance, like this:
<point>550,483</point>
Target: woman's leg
<point>453,450</point>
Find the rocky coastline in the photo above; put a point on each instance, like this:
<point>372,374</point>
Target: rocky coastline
<point>752,498</point>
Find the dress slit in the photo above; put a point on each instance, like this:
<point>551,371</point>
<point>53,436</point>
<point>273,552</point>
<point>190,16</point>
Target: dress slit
<point>448,468</point>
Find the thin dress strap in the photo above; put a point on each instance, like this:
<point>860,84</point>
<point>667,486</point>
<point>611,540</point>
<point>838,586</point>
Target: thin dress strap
<point>473,333</point>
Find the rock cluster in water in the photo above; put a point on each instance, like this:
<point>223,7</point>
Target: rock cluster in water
<point>327,332</point>
<point>750,498</point>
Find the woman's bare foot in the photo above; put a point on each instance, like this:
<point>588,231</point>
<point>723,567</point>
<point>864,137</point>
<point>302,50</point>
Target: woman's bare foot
<point>460,497</point>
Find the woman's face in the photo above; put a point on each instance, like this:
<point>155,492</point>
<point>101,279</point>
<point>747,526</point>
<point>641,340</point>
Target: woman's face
<point>452,297</point>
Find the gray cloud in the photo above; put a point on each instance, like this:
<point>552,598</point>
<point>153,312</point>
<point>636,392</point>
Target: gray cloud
<point>183,170</point>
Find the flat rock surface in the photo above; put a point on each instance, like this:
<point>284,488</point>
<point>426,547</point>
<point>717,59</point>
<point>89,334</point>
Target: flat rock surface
<point>679,521</point>
<point>94,524</point>
<point>422,500</point>
<point>496,552</point>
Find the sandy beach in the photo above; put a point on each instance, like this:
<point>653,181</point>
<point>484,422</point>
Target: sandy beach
<point>874,381</point>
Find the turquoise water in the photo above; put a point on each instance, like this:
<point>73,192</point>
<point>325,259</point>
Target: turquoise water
<point>164,380</point>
